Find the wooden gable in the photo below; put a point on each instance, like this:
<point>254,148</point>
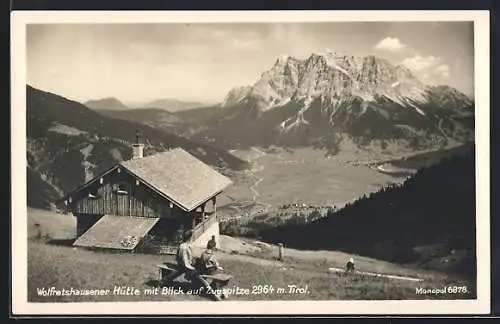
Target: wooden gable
<point>119,192</point>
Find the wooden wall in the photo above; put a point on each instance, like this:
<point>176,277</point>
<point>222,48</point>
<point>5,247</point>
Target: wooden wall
<point>138,200</point>
<point>84,222</point>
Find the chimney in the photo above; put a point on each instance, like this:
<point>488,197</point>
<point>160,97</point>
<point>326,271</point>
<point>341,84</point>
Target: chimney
<point>137,147</point>
<point>88,174</point>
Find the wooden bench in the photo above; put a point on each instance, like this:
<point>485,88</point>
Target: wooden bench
<point>168,272</point>
<point>220,280</point>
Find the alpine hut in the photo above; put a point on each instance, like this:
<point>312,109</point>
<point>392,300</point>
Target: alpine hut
<point>159,196</point>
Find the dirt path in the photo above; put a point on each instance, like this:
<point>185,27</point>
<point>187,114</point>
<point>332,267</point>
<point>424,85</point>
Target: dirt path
<point>255,169</point>
<point>253,188</point>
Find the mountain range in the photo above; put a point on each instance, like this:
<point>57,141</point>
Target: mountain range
<point>329,99</point>
<point>154,117</point>
<point>64,138</point>
<point>111,104</point>
<point>169,104</point>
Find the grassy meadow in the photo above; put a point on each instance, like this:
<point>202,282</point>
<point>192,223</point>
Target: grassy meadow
<point>53,262</point>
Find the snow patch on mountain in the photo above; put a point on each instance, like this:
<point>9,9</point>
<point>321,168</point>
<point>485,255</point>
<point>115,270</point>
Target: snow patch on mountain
<point>330,76</point>
<point>419,111</point>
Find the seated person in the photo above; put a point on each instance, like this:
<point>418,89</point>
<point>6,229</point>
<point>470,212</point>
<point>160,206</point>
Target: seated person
<point>184,256</point>
<point>212,245</point>
<point>207,263</point>
<point>350,265</point>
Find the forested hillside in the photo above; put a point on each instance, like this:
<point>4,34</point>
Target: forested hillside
<point>430,219</point>
<point>64,137</point>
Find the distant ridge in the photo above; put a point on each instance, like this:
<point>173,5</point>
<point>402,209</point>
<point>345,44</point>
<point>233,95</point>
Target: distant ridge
<point>169,104</point>
<point>109,103</point>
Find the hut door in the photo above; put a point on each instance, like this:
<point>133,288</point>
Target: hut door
<point>123,205</point>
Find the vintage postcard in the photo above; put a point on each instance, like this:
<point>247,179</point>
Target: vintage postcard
<point>250,163</point>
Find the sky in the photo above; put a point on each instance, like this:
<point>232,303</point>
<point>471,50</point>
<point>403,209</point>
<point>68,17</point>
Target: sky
<point>202,62</point>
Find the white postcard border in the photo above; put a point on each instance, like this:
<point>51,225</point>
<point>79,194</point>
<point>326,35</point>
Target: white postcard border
<point>20,305</point>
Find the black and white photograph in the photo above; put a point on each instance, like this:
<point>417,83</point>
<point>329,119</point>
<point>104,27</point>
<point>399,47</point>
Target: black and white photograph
<point>234,164</point>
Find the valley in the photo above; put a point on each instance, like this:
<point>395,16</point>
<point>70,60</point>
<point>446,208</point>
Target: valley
<point>277,179</point>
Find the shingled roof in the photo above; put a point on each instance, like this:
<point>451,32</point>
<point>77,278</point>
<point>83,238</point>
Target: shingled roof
<point>117,232</point>
<point>179,176</point>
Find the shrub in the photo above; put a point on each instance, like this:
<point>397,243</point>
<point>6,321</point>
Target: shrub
<point>148,245</point>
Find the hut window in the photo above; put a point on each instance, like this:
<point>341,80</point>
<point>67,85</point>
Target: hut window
<point>93,193</point>
<point>120,188</point>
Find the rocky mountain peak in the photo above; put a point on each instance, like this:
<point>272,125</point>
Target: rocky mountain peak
<point>331,76</point>
<point>327,96</point>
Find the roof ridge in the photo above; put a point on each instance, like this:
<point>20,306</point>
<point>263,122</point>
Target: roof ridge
<point>179,175</point>
<point>168,150</point>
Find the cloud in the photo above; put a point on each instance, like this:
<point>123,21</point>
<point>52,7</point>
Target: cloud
<point>428,67</point>
<point>390,44</point>
<point>245,44</point>
<point>442,70</point>
<point>419,63</point>
<point>281,32</point>
<point>218,33</point>
<point>246,40</point>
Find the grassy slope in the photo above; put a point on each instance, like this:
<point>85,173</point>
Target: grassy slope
<point>63,266</point>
